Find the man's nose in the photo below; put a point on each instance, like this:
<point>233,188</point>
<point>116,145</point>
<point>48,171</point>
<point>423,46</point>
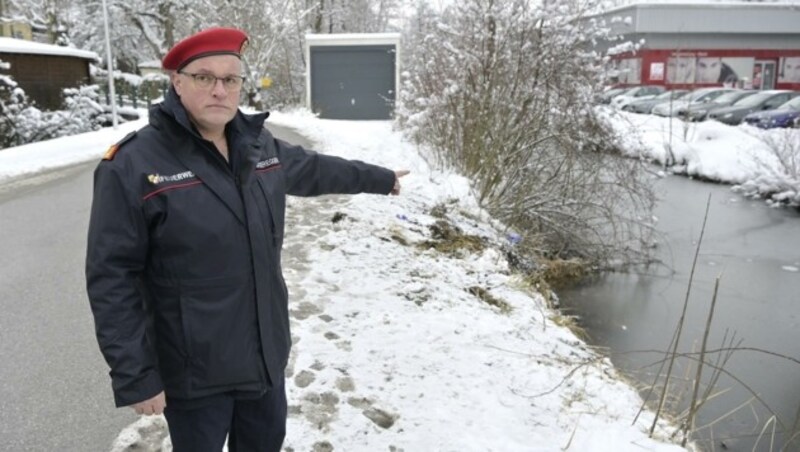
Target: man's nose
<point>219,88</point>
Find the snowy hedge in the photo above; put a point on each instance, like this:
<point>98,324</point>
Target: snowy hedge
<point>21,122</point>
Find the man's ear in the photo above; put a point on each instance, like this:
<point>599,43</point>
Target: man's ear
<point>176,81</point>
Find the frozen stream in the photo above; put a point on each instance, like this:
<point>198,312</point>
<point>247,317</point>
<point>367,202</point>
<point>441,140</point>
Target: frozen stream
<point>756,250</point>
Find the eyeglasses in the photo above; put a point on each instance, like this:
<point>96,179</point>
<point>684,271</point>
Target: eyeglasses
<point>206,81</point>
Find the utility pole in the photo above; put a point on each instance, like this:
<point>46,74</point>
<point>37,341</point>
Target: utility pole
<point>110,67</point>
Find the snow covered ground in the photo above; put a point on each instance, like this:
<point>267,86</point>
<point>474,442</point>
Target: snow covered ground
<point>22,161</point>
<point>755,161</point>
<point>393,348</point>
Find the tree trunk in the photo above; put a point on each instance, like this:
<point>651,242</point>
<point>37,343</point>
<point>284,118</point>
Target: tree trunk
<point>165,11</point>
<point>318,18</point>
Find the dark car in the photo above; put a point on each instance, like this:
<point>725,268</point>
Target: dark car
<point>700,112</point>
<point>764,100</point>
<point>646,105</point>
<point>786,115</point>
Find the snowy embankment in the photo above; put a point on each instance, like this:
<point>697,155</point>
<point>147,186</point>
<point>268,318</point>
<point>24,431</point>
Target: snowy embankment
<point>400,346</point>
<point>21,161</point>
<point>412,357</point>
<point>756,162</point>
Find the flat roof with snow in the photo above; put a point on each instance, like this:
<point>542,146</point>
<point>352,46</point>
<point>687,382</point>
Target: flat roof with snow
<point>340,39</point>
<point>705,17</point>
<point>21,46</point>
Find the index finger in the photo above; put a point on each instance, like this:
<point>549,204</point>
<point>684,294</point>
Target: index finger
<point>401,173</point>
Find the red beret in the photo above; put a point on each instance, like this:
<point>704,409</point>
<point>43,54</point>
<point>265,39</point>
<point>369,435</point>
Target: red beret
<point>213,41</point>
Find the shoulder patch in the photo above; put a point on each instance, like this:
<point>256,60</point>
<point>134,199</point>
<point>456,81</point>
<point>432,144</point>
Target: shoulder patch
<point>112,150</point>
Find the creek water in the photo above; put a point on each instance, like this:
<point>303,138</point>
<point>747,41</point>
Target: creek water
<point>755,250</point>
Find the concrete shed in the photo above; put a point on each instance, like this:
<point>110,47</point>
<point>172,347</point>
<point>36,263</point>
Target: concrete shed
<point>352,76</point>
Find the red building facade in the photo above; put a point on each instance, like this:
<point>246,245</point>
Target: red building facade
<point>748,68</point>
<point>698,44</point>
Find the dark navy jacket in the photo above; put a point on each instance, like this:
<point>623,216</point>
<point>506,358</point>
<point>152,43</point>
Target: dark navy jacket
<point>183,264</point>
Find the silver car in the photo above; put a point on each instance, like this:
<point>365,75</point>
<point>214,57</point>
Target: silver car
<point>636,93</point>
<point>696,97</point>
<point>646,105</point>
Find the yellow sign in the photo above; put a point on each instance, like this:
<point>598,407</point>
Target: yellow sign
<point>266,82</point>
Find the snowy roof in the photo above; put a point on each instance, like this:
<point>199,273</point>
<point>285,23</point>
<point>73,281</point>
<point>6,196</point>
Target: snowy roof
<point>150,64</point>
<point>705,17</point>
<point>12,45</point>
<point>703,4</point>
<point>353,39</point>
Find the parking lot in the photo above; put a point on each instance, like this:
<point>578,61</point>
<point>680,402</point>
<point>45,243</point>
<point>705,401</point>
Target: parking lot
<point>765,109</point>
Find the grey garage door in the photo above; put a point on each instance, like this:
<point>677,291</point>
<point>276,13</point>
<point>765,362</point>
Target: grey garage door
<point>353,82</point>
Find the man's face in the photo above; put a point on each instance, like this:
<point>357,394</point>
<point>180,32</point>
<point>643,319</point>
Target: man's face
<point>210,108</point>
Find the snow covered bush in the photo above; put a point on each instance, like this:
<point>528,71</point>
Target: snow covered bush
<point>13,102</point>
<point>153,86</point>
<point>501,91</point>
<point>778,175</point>
<point>138,91</point>
<point>82,113</point>
<point>21,122</point>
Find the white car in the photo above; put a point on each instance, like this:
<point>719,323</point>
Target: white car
<point>637,93</point>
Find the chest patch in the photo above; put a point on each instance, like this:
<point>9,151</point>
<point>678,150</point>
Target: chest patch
<point>157,179</point>
<point>268,165</point>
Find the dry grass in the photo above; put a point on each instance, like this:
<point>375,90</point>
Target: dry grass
<point>563,272</point>
<point>450,240</point>
<point>571,323</point>
<point>490,299</point>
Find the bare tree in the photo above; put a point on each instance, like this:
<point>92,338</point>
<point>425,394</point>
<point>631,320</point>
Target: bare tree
<point>50,16</point>
<point>501,91</point>
<point>143,30</point>
<point>351,16</point>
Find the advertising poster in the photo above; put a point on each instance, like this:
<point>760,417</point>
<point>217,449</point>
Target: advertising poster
<point>735,69</point>
<point>681,69</point>
<point>630,71</point>
<point>789,71</point>
<point>657,71</point>
<point>687,69</point>
<point>722,70</point>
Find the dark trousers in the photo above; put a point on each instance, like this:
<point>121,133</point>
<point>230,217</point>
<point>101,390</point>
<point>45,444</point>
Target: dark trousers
<point>252,425</point>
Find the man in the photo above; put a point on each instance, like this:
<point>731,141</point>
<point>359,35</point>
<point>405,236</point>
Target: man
<point>183,262</point>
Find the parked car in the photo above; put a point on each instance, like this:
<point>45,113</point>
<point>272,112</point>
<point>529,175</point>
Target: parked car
<point>646,105</point>
<point>699,112</point>
<point>606,96</point>
<point>786,115</point>
<point>764,100</point>
<point>639,92</point>
<point>696,97</point>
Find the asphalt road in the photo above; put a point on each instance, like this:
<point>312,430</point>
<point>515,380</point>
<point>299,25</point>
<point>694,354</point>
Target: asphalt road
<point>55,393</point>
